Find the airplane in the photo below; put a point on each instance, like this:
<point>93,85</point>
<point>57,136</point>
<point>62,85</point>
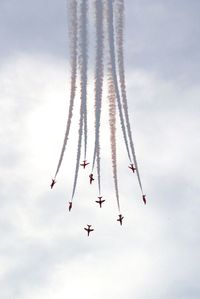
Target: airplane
<point>52,183</point>
<point>132,167</point>
<point>88,229</point>
<point>120,219</point>
<point>144,199</point>
<point>70,205</point>
<point>100,201</point>
<point>84,164</point>
<point>91,178</point>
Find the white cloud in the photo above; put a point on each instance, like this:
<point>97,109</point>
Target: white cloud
<point>44,249</point>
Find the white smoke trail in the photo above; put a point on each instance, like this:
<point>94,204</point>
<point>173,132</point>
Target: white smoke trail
<point>99,169</point>
<point>120,55</point>
<point>80,133</point>
<point>83,60</point>
<point>113,64</point>
<point>73,61</point>
<point>112,122</point>
<point>98,83</point>
<point>83,63</point>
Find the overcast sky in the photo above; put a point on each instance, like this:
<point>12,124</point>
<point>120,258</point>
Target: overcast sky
<point>44,251</point>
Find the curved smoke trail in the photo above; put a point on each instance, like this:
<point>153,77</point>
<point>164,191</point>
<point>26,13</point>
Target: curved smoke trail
<point>83,63</point>
<point>120,55</point>
<point>80,133</point>
<point>83,87</point>
<point>112,122</point>
<point>114,75</point>
<point>98,84</point>
<point>73,61</point>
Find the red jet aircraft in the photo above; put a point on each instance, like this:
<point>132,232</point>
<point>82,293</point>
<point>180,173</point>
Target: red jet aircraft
<point>120,219</point>
<point>100,201</point>
<point>91,178</point>
<point>52,183</point>
<point>132,167</point>
<point>88,229</point>
<point>70,205</point>
<point>144,199</point>
<point>84,164</point>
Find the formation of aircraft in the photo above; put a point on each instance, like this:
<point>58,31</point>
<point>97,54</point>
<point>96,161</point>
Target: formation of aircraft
<point>120,219</point>
<point>88,229</point>
<point>91,178</point>
<point>132,167</point>
<point>52,183</point>
<point>107,48</point>
<point>84,164</point>
<point>100,201</point>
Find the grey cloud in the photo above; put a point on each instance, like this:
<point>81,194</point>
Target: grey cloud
<point>164,38</point>
<point>160,36</point>
<point>43,248</point>
<point>33,27</point>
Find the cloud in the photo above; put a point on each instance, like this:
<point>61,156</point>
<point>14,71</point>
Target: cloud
<point>44,249</point>
<point>33,27</point>
<point>162,36</point>
<point>44,252</point>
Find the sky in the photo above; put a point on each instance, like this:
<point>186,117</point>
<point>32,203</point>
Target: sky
<point>44,251</point>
